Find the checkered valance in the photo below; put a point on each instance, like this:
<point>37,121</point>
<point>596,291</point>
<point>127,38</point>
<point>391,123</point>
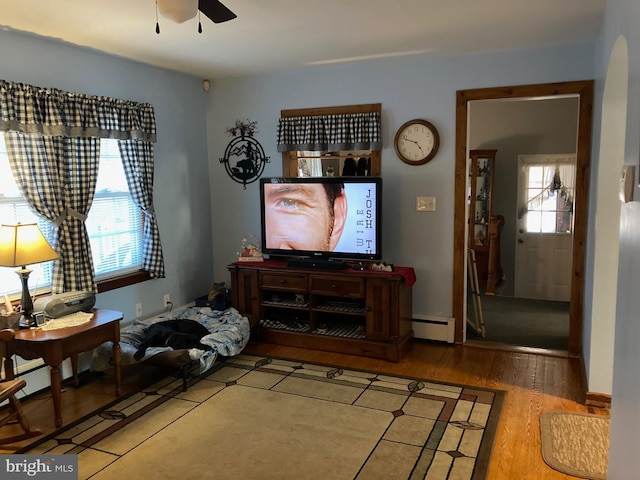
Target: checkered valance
<point>51,112</point>
<point>349,131</point>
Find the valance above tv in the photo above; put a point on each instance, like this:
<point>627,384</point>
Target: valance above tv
<point>349,131</point>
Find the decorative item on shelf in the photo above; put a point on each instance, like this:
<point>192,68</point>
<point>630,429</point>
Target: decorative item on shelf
<point>359,266</point>
<point>300,299</point>
<point>382,267</point>
<point>250,250</point>
<point>364,167</point>
<point>22,245</point>
<point>483,168</point>
<point>350,167</point>
<point>244,159</point>
<point>322,329</point>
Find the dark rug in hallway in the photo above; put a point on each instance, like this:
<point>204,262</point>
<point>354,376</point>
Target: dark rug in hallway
<point>524,322</point>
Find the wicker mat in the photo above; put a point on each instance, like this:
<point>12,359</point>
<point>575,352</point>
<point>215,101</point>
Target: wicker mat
<point>576,443</point>
<point>268,419</point>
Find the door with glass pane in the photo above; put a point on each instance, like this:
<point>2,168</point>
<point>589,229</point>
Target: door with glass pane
<point>546,186</point>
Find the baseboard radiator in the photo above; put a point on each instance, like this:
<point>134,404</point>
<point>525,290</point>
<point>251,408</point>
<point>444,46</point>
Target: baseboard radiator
<point>431,327</point>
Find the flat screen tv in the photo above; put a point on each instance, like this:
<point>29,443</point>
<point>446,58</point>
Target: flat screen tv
<point>322,218</point>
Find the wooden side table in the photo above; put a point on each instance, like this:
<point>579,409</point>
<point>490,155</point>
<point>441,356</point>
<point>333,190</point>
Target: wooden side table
<point>53,346</point>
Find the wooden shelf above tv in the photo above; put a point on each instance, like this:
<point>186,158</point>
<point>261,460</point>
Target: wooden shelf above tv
<point>290,159</point>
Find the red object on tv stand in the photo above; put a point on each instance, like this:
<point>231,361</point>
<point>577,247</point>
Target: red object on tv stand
<point>408,273</point>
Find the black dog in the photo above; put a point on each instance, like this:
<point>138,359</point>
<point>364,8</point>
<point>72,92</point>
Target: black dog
<point>177,334</point>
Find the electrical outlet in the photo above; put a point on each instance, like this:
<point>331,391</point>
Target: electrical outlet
<point>166,300</point>
<point>138,310</point>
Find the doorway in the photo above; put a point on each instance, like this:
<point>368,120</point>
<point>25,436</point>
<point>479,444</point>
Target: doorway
<point>584,91</point>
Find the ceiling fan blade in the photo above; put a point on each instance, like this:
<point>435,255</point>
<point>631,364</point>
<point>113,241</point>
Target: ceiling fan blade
<point>216,11</point>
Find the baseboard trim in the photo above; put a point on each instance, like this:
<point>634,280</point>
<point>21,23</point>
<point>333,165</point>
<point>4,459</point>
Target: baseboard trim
<point>599,400</point>
<point>433,327</point>
<point>592,399</point>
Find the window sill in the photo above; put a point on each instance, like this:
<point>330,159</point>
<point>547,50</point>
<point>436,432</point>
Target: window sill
<point>123,281</point>
<point>105,285</point>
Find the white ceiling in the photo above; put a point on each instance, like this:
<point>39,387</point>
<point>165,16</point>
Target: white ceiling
<point>275,35</point>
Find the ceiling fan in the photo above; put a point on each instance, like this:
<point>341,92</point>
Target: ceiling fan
<point>182,10</point>
<point>216,11</point>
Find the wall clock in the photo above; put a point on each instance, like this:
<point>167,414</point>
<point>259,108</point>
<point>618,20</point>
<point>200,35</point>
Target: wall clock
<point>416,142</point>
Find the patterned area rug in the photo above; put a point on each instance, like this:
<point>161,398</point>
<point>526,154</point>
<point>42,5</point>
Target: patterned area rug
<point>263,418</point>
<point>576,443</point>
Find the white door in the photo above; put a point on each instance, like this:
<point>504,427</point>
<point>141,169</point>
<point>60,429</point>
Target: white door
<point>544,237</point>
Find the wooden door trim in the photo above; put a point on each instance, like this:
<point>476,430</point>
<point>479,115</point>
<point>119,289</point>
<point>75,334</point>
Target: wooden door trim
<point>584,89</point>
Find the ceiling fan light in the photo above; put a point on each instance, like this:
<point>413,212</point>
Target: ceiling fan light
<point>178,10</point>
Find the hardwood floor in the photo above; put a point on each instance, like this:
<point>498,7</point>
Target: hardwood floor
<point>94,393</point>
<point>534,384</point>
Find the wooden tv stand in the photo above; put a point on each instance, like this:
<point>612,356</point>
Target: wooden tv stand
<point>364,313</point>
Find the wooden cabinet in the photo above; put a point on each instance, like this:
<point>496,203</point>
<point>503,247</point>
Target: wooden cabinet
<point>347,311</point>
<point>244,294</point>
<point>480,197</point>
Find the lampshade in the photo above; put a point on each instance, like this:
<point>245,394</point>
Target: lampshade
<point>178,10</point>
<point>24,244</point>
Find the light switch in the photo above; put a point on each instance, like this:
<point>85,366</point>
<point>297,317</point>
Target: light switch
<point>425,204</point>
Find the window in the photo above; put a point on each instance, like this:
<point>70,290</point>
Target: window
<point>549,191</point>
<point>114,222</point>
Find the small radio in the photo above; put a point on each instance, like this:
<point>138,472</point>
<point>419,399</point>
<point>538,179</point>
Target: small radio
<point>61,304</point>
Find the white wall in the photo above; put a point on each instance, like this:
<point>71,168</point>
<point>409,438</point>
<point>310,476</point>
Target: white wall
<point>415,87</point>
<point>622,17</point>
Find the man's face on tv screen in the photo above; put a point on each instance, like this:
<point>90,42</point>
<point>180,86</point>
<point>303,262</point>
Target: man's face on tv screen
<point>301,216</point>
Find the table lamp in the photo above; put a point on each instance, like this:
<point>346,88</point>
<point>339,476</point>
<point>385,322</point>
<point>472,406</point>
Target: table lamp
<point>21,245</point>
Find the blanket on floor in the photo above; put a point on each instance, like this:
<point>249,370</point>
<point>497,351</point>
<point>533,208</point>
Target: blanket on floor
<point>229,334</point>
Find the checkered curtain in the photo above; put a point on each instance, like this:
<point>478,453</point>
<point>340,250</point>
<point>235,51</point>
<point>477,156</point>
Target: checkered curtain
<point>137,159</point>
<point>53,143</point>
<point>57,177</point>
<point>349,131</point>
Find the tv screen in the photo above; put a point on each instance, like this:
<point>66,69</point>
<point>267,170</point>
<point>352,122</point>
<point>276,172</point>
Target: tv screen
<point>322,217</point>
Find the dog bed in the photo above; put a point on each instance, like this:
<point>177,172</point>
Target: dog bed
<point>229,335</point>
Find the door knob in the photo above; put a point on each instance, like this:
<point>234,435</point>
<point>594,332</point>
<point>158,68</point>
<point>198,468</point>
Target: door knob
<point>521,230</point>
<point>520,240</point>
